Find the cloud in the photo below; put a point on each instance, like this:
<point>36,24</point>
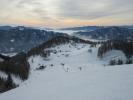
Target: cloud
<point>91,9</point>
<point>60,10</point>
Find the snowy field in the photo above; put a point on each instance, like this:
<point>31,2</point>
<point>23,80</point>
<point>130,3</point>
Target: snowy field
<point>75,73</point>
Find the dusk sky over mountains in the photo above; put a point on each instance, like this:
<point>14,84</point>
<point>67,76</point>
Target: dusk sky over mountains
<point>66,13</point>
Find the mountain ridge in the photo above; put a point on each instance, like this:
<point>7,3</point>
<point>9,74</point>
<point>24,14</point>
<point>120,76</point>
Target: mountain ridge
<point>110,33</point>
<point>18,39</point>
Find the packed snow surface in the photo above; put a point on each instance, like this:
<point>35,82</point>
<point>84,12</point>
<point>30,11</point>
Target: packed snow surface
<point>74,73</point>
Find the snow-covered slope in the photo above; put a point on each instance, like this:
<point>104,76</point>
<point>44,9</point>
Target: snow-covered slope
<point>9,54</point>
<point>73,72</point>
<point>67,56</point>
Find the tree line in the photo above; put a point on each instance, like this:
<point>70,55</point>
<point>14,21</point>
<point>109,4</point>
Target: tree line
<point>123,45</point>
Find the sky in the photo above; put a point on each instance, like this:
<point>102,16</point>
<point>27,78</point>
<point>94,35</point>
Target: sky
<point>66,13</point>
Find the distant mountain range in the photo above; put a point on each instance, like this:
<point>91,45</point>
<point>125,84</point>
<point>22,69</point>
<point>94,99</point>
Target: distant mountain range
<point>116,33</point>
<point>5,27</point>
<point>20,38</point>
<point>90,28</point>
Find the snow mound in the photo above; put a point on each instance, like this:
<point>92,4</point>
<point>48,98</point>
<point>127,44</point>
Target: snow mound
<point>74,73</point>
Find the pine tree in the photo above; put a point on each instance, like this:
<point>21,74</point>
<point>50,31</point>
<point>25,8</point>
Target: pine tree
<point>9,82</point>
<point>112,62</point>
<point>120,62</point>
